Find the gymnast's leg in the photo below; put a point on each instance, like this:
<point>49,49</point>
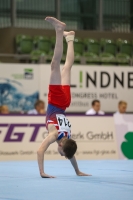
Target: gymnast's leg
<point>55,77</point>
<point>66,71</point>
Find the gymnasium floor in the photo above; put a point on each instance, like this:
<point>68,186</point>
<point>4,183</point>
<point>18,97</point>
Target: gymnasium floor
<point>110,180</point>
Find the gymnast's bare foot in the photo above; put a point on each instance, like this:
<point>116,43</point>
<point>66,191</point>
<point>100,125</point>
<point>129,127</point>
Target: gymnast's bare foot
<point>65,33</point>
<point>58,25</point>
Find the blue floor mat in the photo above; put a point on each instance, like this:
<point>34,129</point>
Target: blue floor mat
<point>110,180</point>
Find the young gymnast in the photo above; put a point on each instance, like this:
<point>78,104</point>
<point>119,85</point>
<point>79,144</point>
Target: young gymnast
<point>59,99</point>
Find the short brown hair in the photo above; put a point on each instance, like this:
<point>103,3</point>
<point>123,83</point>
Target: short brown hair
<point>3,107</point>
<point>122,102</point>
<point>69,148</point>
<point>38,102</point>
<point>95,101</point>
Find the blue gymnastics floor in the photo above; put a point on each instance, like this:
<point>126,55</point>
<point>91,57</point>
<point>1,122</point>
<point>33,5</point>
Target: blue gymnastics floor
<point>110,180</point>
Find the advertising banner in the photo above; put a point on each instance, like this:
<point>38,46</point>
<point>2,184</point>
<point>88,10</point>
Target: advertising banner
<point>21,136</point>
<point>95,137</point>
<point>124,134</point>
<point>19,86</point>
<point>107,84</point>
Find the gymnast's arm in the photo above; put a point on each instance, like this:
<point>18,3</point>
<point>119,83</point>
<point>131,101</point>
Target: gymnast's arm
<point>75,166</point>
<point>40,153</point>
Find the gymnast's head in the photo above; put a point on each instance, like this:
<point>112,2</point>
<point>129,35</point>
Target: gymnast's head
<point>67,148</point>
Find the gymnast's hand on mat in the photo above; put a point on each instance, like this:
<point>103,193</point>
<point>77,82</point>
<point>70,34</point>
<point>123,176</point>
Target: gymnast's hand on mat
<point>75,165</point>
<point>82,174</point>
<point>43,175</point>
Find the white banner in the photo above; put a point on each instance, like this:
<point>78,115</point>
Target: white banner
<point>21,136</point>
<point>124,134</point>
<point>108,84</point>
<point>95,137</point>
<point>19,86</point>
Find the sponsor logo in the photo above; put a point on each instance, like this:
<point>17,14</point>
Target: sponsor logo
<point>91,136</point>
<point>12,136</point>
<point>27,74</point>
<point>104,80</point>
<point>127,146</point>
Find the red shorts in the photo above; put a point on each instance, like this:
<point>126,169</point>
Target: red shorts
<point>59,95</point>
